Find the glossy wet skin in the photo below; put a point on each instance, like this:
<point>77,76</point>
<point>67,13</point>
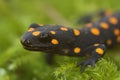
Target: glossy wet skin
<point>61,39</point>
<point>37,39</point>
<point>37,45</point>
<point>91,40</point>
<point>43,38</point>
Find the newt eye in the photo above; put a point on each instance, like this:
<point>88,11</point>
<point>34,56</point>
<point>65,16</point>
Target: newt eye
<point>44,35</point>
<point>33,25</point>
<point>45,38</point>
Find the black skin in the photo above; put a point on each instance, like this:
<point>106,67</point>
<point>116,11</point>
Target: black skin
<point>68,41</point>
<point>92,17</point>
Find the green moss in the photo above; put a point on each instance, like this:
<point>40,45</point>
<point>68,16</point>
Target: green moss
<point>104,70</point>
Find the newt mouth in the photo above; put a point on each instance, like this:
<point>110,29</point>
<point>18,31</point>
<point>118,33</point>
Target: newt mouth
<point>35,48</point>
<point>38,47</point>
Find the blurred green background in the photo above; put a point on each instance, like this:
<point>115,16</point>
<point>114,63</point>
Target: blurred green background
<point>15,17</point>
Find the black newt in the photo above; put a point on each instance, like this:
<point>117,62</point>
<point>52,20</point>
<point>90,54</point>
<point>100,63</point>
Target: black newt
<point>93,39</point>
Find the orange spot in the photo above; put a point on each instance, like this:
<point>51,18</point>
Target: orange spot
<point>53,32</point>
<point>104,25</point>
<point>118,39</point>
<point>109,42</point>
<point>64,29</point>
<point>77,50</point>
<point>31,29</point>
<point>41,25</point>
<point>36,33</point>
<point>113,20</point>
<point>54,41</point>
<point>100,51</point>
<point>96,44</point>
<point>95,31</point>
<point>76,32</point>
<point>116,32</point>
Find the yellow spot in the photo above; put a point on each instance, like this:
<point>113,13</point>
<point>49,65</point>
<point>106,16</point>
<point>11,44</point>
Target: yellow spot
<point>54,41</point>
<point>64,29</point>
<point>95,31</point>
<point>53,32</point>
<point>36,33</point>
<point>116,32</point>
<point>96,44</point>
<point>41,25</point>
<point>109,42</point>
<point>104,25</point>
<point>88,25</point>
<point>100,51</point>
<point>77,50</point>
<point>118,39</point>
<point>76,32</point>
<point>31,29</point>
<point>113,20</point>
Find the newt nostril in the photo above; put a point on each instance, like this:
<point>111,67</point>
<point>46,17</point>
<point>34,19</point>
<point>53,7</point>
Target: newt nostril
<point>26,42</point>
